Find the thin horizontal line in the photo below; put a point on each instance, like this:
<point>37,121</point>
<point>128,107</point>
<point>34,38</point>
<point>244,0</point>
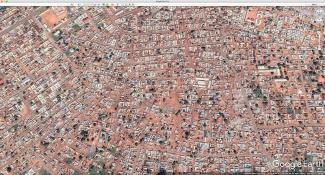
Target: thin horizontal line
<point>158,4</point>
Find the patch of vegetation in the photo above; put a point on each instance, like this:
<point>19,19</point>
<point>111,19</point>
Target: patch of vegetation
<point>295,170</point>
<point>84,134</point>
<point>112,150</point>
<point>162,171</point>
<point>258,92</point>
<point>94,170</point>
<point>308,158</point>
<point>221,114</point>
<point>14,128</point>
<point>56,38</point>
<point>57,35</point>
<point>102,116</point>
<point>102,172</point>
<point>2,9</point>
<point>265,102</point>
<point>289,110</point>
<point>75,173</point>
<point>67,52</point>
<point>68,160</point>
<point>238,173</point>
<point>44,172</point>
<point>76,27</point>
<point>100,26</point>
<point>45,143</point>
<point>264,98</point>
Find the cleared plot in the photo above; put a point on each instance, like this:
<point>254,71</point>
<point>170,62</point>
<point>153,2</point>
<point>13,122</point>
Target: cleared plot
<point>53,16</point>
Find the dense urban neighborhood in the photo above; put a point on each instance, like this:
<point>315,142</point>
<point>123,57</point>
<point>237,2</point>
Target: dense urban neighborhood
<point>153,90</point>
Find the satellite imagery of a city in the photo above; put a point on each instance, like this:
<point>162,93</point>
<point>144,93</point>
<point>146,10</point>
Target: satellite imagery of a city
<point>96,90</point>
